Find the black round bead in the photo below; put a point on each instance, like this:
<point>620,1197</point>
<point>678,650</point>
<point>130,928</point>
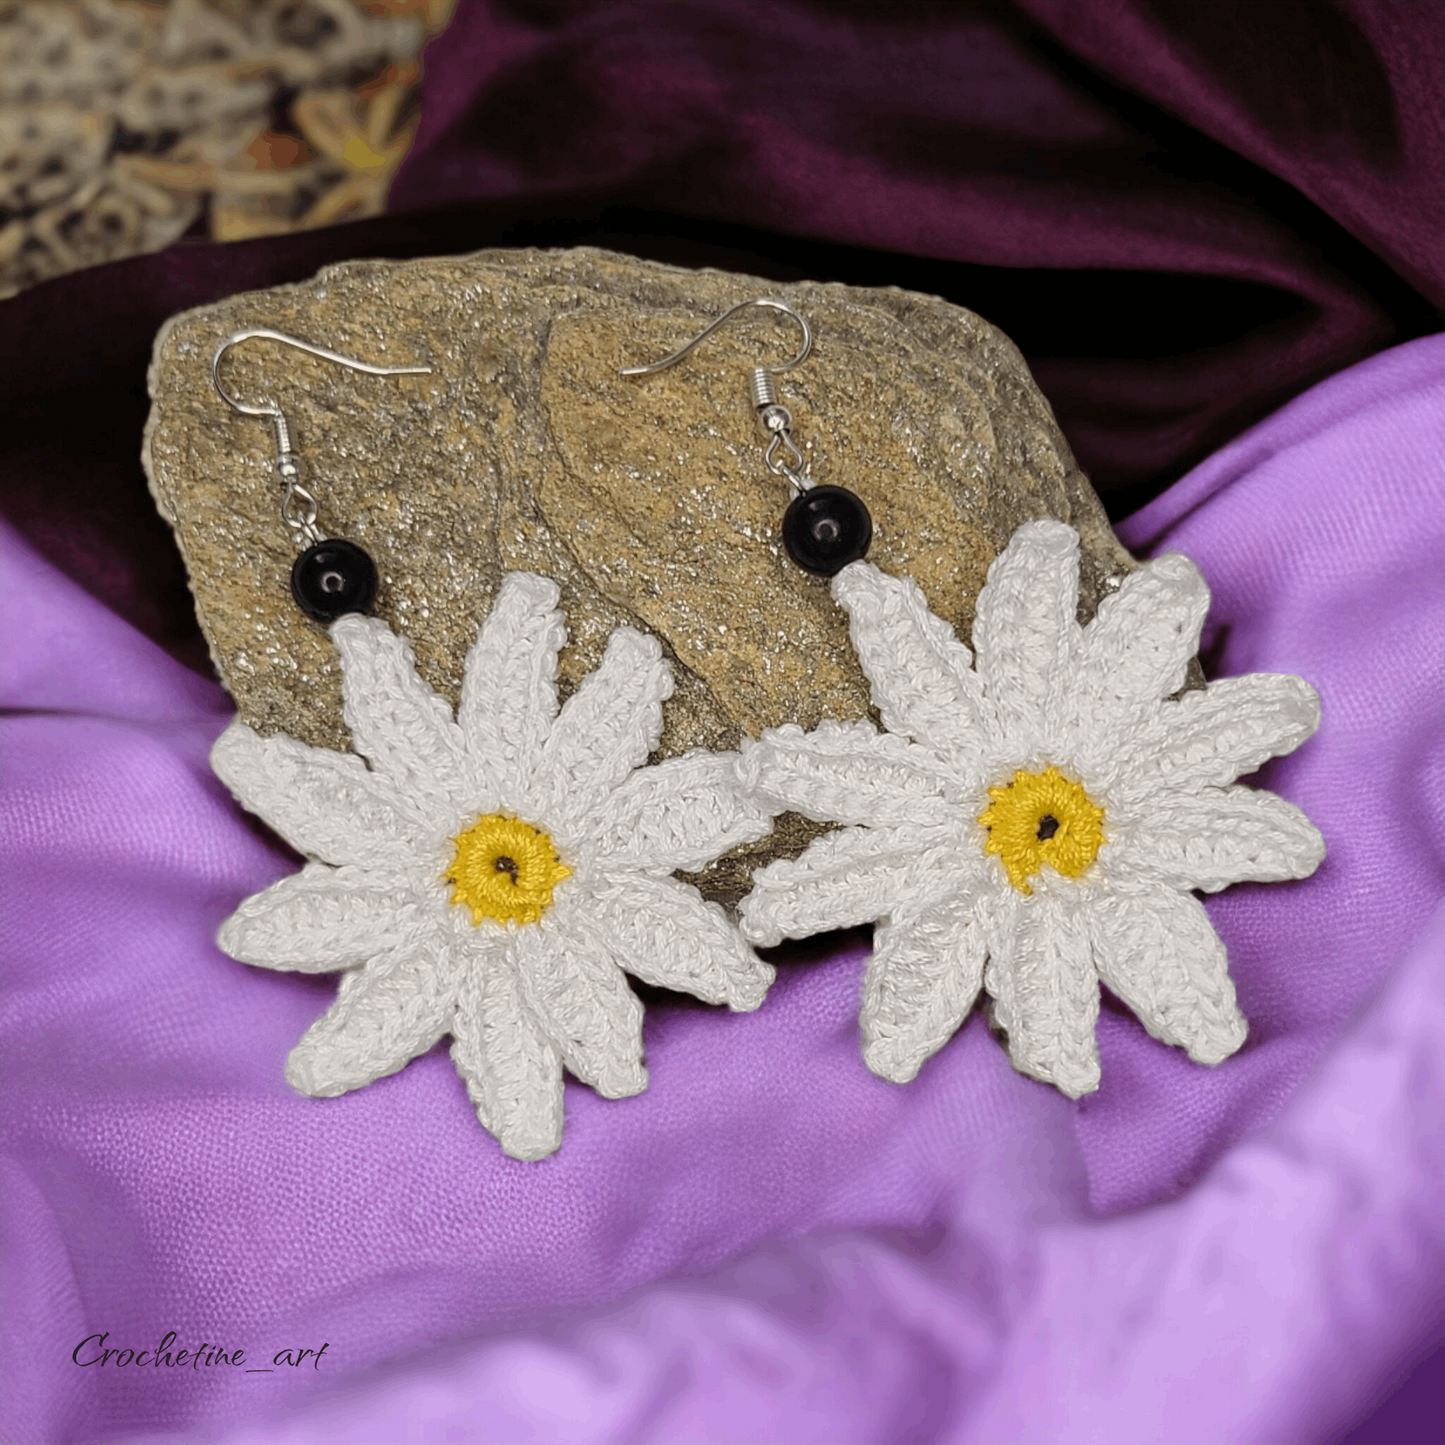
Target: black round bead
<point>826,528</point>
<point>332,578</point>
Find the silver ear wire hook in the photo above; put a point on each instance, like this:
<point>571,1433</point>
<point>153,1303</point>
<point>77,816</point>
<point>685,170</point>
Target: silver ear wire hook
<point>712,326</point>
<point>824,528</point>
<point>298,506</point>
<point>332,577</point>
<point>776,419</point>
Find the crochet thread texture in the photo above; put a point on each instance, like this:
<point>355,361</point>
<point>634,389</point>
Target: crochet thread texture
<point>523,991</point>
<point>939,852</point>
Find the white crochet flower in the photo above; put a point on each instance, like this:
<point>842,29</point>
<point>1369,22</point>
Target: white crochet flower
<point>1034,821</point>
<point>492,876</point>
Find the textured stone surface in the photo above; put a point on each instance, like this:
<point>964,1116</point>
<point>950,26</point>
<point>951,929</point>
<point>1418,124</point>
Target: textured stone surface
<point>646,498</point>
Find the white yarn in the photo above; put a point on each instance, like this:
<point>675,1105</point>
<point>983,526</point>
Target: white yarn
<point>1093,703</point>
<point>520,1000</point>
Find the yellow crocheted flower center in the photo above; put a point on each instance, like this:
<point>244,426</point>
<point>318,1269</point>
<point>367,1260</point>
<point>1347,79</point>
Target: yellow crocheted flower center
<point>505,870</point>
<point>1042,818</point>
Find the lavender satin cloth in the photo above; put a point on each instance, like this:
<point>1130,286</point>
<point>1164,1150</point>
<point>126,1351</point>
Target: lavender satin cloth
<point>770,1244</point>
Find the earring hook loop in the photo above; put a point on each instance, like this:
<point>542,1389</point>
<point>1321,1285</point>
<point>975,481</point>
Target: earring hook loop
<point>768,301</point>
<point>298,506</point>
<point>264,333</point>
<point>825,528</point>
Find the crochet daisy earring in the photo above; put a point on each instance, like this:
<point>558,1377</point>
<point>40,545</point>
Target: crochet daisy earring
<point>490,875</point>
<point>1035,813</point>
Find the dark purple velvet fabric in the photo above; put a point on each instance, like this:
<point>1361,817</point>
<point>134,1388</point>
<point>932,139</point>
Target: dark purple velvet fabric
<point>1184,214</point>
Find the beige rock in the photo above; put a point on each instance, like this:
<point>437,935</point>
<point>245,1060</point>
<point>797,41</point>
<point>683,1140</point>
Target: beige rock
<point>646,498</point>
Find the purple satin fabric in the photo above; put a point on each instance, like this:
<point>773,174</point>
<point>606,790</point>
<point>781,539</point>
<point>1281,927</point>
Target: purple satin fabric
<point>770,1244</point>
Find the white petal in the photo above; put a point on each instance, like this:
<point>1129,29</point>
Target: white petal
<point>1212,839</point>
<point>1161,955</point>
<point>1041,975</point>
<point>512,1070</point>
<point>1025,629</point>
<point>856,876</point>
<point>923,978</point>
<point>679,814</point>
<point>385,1014</point>
<point>323,803</point>
<point>1138,646</point>
<point>923,680</point>
<point>662,932</point>
<point>509,691</point>
<point>1211,737</point>
<point>322,919</point>
<point>583,1003</point>
<point>605,729</point>
<point>1204,739</point>
<point>845,773</point>
<point>397,722</point>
